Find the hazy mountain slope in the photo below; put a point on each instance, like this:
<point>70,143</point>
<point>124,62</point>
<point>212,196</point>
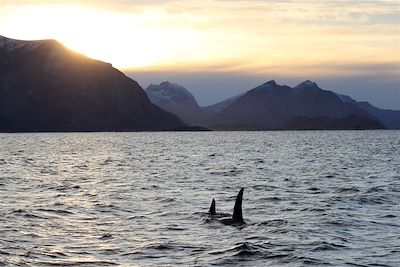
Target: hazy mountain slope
<point>47,87</point>
<point>271,106</point>
<point>350,122</point>
<point>389,118</point>
<point>215,108</point>
<point>176,99</point>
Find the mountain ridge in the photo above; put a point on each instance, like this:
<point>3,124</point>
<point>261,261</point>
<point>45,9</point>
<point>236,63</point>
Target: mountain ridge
<point>272,106</point>
<point>45,86</point>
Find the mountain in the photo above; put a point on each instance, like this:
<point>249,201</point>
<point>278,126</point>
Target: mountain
<point>350,122</point>
<point>272,106</point>
<point>46,87</point>
<point>389,118</point>
<point>215,108</point>
<point>176,99</point>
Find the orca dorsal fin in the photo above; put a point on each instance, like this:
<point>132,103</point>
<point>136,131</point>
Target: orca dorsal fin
<point>212,208</point>
<point>237,210</point>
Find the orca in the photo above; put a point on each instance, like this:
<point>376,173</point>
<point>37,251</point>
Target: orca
<point>212,208</point>
<point>237,216</point>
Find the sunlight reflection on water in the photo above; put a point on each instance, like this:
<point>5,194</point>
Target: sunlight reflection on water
<point>140,198</point>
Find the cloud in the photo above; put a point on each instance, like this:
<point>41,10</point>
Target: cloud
<point>318,11</point>
<point>255,38</point>
<point>249,35</point>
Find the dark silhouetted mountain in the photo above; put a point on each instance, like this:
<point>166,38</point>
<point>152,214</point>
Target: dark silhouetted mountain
<point>272,106</point>
<point>389,118</point>
<point>46,87</point>
<point>176,99</point>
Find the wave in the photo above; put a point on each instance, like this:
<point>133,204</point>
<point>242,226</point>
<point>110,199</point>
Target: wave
<point>325,246</point>
<point>347,190</point>
<point>266,253</point>
<point>60,212</point>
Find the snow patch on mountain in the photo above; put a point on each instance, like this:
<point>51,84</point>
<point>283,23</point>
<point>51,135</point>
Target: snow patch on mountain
<point>12,44</point>
<point>307,85</point>
<point>176,99</point>
<point>168,92</point>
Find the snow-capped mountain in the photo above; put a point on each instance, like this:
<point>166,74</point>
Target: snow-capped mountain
<point>8,44</point>
<point>176,99</point>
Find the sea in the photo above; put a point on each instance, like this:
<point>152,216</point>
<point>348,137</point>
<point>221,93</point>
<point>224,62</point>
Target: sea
<point>311,198</point>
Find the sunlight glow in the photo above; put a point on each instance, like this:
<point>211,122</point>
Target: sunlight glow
<point>122,39</point>
<point>248,35</point>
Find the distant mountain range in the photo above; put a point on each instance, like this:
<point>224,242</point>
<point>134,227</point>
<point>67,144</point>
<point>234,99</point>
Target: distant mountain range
<point>46,87</point>
<point>275,107</point>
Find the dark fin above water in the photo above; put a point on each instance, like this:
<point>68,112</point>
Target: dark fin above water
<point>237,210</point>
<point>212,208</point>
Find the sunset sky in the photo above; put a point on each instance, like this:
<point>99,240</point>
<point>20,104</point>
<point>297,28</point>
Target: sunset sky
<point>217,48</point>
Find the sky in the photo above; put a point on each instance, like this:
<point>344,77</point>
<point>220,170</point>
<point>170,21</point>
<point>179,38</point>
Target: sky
<point>219,48</point>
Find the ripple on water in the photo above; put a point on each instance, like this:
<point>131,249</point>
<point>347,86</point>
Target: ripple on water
<point>265,253</point>
<point>58,212</point>
<point>347,190</point>
<point>273,223</point>
<point>76,262</point>
<point>326,246</point>
<point>100,199</point>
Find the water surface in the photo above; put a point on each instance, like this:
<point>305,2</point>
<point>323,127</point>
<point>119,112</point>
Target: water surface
<point>329,198</point>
